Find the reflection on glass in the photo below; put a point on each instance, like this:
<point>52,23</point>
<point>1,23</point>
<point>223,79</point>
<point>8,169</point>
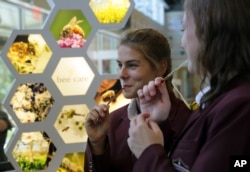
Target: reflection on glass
<point>31,102</point>
<point>29,54</point>
<point>70,123</point>
<point>103,51</point>
<point>72,162</point>
<point>33,151</point>
<point>109,11</point>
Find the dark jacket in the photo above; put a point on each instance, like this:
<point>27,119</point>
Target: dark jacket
<point>210,138</point>
<point>117,156</point>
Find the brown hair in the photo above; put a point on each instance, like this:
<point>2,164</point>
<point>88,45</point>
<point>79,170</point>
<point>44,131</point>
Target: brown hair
<point>223,29</point>
<point>153,45</point>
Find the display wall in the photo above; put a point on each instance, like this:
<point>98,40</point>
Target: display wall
<point>56,82</point>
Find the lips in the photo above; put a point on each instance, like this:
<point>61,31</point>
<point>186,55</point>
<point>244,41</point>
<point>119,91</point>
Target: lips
<point>126,86</point>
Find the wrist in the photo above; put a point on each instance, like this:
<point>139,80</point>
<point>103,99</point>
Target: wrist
<point>98,147</point>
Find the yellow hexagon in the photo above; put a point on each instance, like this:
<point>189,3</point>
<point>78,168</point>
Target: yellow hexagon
<point>29,53</point>
<point>72,162</point>
<point>109,11</point>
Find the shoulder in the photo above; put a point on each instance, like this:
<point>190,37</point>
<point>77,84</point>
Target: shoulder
<point>237,95</point>
<point>233,105</point>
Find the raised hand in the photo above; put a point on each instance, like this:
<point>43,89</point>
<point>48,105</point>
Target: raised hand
<point>154,99</point>
<point>97,125</point>
<point>143,132</point>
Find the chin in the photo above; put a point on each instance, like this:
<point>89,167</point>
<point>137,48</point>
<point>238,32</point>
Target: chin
<point>128,96</point>
<point>159,119</point>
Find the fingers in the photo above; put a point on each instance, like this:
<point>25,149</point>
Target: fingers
<point>150,90</point>
<point>97,113</point>
<point>137,121</point>
<point>153,125</point>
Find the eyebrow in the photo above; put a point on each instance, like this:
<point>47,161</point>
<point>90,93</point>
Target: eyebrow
<point>129,61</point>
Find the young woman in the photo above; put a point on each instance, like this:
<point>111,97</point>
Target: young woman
<point>216,39</point>
<point>142,55</point>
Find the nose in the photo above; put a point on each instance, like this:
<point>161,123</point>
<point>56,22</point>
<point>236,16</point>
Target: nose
<point>122,72</point>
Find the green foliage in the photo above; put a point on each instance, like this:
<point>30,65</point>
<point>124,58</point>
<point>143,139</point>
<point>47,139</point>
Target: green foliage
<point>6,80</point>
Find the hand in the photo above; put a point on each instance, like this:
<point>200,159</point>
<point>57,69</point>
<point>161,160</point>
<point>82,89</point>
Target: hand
<point>97,125</point>
<point>154,99</point>
<point>143,132</point>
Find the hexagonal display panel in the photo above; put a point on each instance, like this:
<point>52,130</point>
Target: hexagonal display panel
<point>31,102</point>
<point>33,151</point>
<point>109,11</point>
<point>70,123</point>
<point>73,76</point>
<point>70,28</point>
<point>72,162</point>
<point>110,91</point>
<point>29,53</point>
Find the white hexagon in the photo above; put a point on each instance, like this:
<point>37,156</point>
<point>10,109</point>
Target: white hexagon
<point>73,76</point>
<point>70,123</point>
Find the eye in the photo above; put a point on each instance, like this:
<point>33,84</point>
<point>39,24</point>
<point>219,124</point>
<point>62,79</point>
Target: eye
<point>119,65</point>
<point>132,65</point>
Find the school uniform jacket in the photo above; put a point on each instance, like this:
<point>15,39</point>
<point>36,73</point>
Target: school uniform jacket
<point>210,138</point>
<point>117,156</point>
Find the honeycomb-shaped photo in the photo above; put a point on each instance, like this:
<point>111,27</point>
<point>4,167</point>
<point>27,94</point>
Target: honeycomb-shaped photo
<point>31,102</point>
<point>70,123</point>
<point>110,92</point>
<point>73,76</point>
<point>29,54</point>
<point>72,162</point>
<point>70,28</point>
<point>34,151</point>
<point>110,11</point>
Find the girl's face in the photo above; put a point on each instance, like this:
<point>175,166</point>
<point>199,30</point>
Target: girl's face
<point>190,41</point>
<point>134,71</point>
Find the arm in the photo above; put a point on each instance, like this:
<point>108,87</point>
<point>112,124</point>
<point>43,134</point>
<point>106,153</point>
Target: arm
<point>146,142</point>
<point>145,137</point>
<point>97,125</point>
<point>223,132</point>
<point>95,163</point>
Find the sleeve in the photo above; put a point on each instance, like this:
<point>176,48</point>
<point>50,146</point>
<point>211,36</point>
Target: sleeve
<point>153,159</point>
<point>93,163</point>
